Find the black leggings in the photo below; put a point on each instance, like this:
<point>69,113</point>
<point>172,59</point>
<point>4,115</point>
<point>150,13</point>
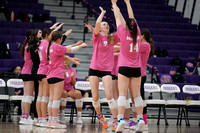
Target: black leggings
<point>142,93</point>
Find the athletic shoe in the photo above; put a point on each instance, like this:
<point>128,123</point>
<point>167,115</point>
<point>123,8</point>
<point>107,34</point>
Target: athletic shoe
<point>130,124</point>
<point>114,126</point>
<point>62,120</point>
<point>28,121</point>
<point>121,125</point>
<point>79,120</point>
<point>146,128</point>
<point>43,123</point>
<point>103,122</point>
<point>35,121</point>
<point>110,122</point>
<point>140,126</point>
<point>57,125</point>
<point>21,120</point>
<point>48,124</point>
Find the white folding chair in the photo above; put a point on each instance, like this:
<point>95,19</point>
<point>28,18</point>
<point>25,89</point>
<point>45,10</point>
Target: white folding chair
<point>14,83</point>
<point>157,103</point>
<point>4,98</point>
<point>191,89</point>
<point>85,86</point>
<point>170,103</point>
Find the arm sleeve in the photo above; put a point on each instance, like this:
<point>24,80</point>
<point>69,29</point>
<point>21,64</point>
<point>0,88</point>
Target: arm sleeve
<point>63,39</point>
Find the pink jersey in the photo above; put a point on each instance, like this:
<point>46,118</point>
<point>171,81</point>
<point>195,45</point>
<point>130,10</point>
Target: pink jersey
<point>44,63</point>
<point>129,52</point>
<point>28,62</point>
<point>145,49</point>
<point>56,63</point>
<point>67,85</point>
<point>103,57</point>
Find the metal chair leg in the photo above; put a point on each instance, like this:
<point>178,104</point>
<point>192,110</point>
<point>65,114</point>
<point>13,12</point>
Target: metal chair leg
<point>178,116</point>
<point>165,115</point>
<point>158,123</point>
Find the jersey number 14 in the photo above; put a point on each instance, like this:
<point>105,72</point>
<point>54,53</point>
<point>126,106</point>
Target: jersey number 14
<point>135,48</point>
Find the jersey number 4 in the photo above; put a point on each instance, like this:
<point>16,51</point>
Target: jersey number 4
<point>135,48</point>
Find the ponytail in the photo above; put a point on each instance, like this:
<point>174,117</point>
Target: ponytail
<point>132,26</point>
<point>28,33</point>
<point>151,42</point>
<point>147,36</point>
<point>50,42</point>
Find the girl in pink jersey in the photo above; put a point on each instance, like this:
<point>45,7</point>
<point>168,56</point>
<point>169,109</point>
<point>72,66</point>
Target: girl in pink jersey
<point>55,75</point>
<point>70,81</point>
<point>129,75</point>
<point>146,52</point>
<point>27,76</point>
<point>101,66</point>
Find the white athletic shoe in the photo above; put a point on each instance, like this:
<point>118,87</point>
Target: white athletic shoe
<point>121,125</point>
<point>62,120</point>
<point>79,120</point>
<point>146,128</point>
<point>21,120</point>
<point>28,121</point>
<point>140,126</point>
<point>43,123</point>
<point>57,125</point>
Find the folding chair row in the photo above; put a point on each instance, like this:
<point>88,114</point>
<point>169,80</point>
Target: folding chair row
<point>164,103</point>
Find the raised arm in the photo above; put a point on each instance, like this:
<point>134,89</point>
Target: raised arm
<point>54,26</point>
<point>58,27</point>
<point>99,20</point>
<point>129,9</point>
<point>76,48</point>
<point>90,28</point>
<point>118,16</point>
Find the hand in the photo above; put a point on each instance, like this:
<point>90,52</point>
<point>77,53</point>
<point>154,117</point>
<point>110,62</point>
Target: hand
<point>127,1</point>
<point>79,43</point>
<point>67,33</point>
<point>77,59</point>
<point>90,28</point>
<point>55,25</point>
<point>83,45</point>
<point>114,1</point>
<point>102,11</point>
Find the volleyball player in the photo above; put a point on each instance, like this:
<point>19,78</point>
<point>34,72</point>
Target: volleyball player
<point>129,75</point>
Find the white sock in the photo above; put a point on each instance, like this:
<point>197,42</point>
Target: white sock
<point>62,112</point>
<point>79,114</point>
<point>54,119</point>
<point>120,116</point>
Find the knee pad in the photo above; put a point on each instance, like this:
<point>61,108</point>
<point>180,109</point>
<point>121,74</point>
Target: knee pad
<point>45,99</point>
<point>122,101</point>
<point>133,108</point>
<point>79,103</point>
<point>28,99</point>
<point>138,101</point>
<point>96,104</point>
<point>112,104</point>
<point>128,106</point>
<point>56,104</point>
<point>23,99</point>
<point>50,104</point>
<point>63,101</point>
<point>39,99</point>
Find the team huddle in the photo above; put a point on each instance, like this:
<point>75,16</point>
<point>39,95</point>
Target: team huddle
<point>119,59</point>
